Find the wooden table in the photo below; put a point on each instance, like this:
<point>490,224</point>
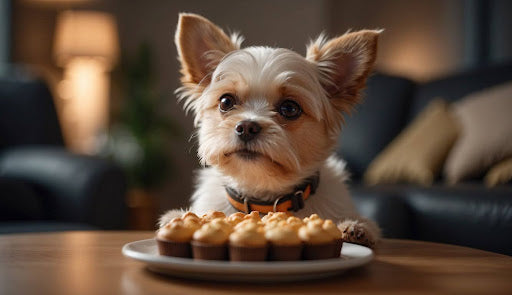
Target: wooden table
<point>92,263</point>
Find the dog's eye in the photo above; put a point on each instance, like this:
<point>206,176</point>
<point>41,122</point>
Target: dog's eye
<point>227,101</point>
<point>290,110</point>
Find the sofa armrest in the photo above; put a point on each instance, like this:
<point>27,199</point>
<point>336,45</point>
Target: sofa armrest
<point>74,188</point>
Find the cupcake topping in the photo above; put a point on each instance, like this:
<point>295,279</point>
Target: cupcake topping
<point>249,222</point>
<point>314,233</point>
<point>283,235</point>
<point>235,218</point>
<point>175,231</point>
<point>211,234</point>
<point>277,216</point>
<point>332,229</point>
<point>316,222</point>
<point>274,223</point>
<point>254,215</point>
<point>193,223</point>
<point>267,216</point>
<point>211,215</point>
<point>190,215</point>
<point>248,235</point>
<point>294,222</point>
<point>222,224</point>
<point>312,217</point>
<point>175,219</point>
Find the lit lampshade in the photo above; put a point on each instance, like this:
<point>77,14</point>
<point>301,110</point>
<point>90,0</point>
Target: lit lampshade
<point>86,34</point>
<point>86,46</point>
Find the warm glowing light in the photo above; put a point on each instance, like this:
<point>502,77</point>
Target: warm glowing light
<point>86,46</point>
<point>85,88</point>
<point>86,33</point>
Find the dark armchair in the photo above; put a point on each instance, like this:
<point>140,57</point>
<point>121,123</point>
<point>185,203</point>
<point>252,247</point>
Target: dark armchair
<point>44,187</point>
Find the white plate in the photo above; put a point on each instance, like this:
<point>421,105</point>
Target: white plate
<point>352,256</point>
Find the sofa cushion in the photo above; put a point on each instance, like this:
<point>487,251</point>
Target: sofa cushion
<point>456,86</point>
<point>486,133</point>
<point>500,173</point>
<point>417,154</point>
<point>375,122</point>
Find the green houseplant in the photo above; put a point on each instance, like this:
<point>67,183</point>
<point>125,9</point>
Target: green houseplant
<point>140,136</point>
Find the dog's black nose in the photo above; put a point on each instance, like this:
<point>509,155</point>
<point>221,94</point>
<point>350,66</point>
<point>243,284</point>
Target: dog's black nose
<point>247,130</point>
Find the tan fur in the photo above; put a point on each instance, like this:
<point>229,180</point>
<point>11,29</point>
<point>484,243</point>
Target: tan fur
<point>345,63</point>
<point>325,83</point>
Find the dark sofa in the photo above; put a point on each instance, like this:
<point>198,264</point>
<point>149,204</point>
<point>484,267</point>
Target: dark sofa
<point>469,213</point>
<point>44,187</point>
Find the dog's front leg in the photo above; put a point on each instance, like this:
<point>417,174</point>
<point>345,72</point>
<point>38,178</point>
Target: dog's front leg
<point>360,231</point>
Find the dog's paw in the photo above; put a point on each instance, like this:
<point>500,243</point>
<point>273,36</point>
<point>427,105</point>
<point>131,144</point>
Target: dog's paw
<point>356,232</point>
<point>168,216</point>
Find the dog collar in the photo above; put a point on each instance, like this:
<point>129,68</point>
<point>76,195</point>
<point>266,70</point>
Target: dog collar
<point>293,201</point>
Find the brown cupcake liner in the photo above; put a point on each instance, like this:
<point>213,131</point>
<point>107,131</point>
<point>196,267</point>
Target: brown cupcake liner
<point>173,248</point>
<point>204,251</point>
<point>337,249</point>
<point>285,253</point>
<point>246,253</point>
<point>319,251</point>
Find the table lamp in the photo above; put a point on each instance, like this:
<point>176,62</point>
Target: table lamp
<point>86,46</point>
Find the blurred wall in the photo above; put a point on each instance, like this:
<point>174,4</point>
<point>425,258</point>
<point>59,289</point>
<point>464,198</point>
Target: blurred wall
<point>422,40</point>
<point>5,34</point>
<point>501,30</point>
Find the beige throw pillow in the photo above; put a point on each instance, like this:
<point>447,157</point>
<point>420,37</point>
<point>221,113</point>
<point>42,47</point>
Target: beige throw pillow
<point>486,133</point>
<point>417,154</point>
<point>500,173</point>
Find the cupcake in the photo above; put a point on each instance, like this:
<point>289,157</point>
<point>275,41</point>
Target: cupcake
<point>173,239</point>
<point>284,243</point>
<point>210,243</point>
<point>235,218</point>
<point>211,215</point>
<point>248,243</point>
<point>335,233</point>
<point>318,243</point>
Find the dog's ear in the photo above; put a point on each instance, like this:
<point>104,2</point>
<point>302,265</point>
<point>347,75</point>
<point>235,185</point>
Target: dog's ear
<point>344,64</point>
<point>201,45</point>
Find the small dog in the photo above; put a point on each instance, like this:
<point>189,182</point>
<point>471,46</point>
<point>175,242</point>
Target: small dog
<point>268,120</point>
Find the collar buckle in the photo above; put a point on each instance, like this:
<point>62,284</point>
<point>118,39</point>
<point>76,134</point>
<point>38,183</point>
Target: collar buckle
<point>275,203</point>
<point>247,206</point>
<point>297,201</point>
